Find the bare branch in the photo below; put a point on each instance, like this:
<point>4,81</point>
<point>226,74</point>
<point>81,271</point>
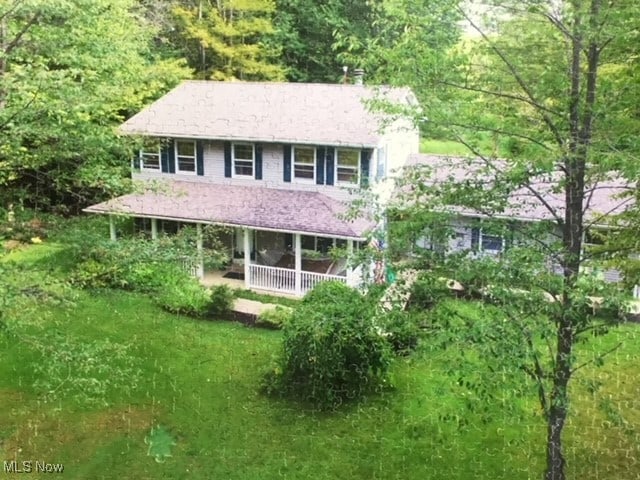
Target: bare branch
<point>516,75</point>
<point>599,357</point>
<point>8,48</point>
<point>519,98</point>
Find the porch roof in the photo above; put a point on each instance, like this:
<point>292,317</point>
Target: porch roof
<point>255,207</point>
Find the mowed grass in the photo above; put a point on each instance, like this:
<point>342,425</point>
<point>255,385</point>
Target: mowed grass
<point>200,381</point>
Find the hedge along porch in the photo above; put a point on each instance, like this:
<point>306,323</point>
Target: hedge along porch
<point>280,238</point>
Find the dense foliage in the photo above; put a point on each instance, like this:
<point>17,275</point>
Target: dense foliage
<point>71,71</point>
<point>332,351</point>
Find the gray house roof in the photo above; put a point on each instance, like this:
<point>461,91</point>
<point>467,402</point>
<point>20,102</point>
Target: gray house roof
<point>602,198</point>
<point>255,207</point>
<point>325,114</point>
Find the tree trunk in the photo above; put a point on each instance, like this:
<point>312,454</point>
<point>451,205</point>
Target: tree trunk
<point>559,401</point>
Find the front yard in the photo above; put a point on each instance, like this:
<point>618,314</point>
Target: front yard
<point>84,383</point>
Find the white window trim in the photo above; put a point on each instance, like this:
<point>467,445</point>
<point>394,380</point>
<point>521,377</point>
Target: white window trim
<point>293,166</point>
<point>195,155</point>
<point>358,168</point>
<point>142,153</point>
<point>233,160</point>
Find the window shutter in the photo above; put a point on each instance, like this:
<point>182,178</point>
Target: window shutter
<point>331,164</point>
<point>136,162</point>
<point>171,156</point>
<point>258,172</point>
<point>475,238</point>
<point>365,158</point>
<point>164,157</point>
<point>227,159</point>
<point>321,153</point>
<point>199,158</point>
<point>286,163</point>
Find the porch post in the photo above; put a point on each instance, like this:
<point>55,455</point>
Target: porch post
<point>112,228</point>
<point>154,228</point>
<point>200,266</point>
<point>247,258</point>
<point>349,262</point>
<point>298,271</point>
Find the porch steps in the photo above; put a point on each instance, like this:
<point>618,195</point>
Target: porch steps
<point>247,311</point>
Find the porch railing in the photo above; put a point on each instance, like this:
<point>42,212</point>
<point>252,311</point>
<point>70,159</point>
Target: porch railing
<point>272,278</point>
<point>284,279</point>
<point>310,280</point>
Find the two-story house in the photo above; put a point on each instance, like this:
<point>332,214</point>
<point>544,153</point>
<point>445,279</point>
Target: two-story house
<point>278,163</point>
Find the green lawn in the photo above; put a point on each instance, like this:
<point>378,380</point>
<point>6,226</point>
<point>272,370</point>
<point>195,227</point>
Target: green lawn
<point>200,381</point>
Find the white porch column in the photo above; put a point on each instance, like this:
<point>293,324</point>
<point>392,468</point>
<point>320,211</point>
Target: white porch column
<point>298,266</point>
<point>247,257</point>
<point>200,267</point>
<point>112,228</point>
<point>154,228</point>
<point>349,262</point>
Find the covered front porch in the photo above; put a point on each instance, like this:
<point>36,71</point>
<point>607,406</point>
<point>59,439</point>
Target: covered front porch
<point>280,262</point>
<point>281,241</point>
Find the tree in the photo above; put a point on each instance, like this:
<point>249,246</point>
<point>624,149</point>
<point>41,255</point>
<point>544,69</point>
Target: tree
<point>313,37</point>
<point>228,39</point>
<point>532,83</point>
<point>71,71</point>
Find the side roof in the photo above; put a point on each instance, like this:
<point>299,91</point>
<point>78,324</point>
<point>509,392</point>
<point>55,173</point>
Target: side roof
<point>606,197</point>
<point>311,113</point>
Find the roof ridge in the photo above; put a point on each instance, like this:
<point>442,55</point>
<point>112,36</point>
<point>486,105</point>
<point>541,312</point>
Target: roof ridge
<point>256,82</point>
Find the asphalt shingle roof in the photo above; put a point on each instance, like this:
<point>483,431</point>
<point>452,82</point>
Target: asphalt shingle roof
<point>602,198</point>
<point>255,207</point>
<point>321,114</point>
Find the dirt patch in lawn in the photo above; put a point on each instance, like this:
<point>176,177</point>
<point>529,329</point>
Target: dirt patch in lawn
<point>47,433</point>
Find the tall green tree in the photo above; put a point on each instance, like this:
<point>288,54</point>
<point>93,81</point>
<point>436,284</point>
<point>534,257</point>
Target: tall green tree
<point>228,39</point>
<point>314,35</point>
<point>542,81</point>
<point>71,71</point>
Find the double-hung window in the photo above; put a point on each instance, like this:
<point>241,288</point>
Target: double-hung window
<point>150,157</point>
<point>243,159</point>
<point>491,243</point>
<point>185,156</point>
<point>487,241</point>
<point>304,164</point>
<point>347,166</point>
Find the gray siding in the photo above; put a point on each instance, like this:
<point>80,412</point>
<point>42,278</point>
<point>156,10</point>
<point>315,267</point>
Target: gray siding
<point>272,173</point>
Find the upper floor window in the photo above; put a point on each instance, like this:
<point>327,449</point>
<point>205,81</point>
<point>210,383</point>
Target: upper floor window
<point>243,159</point>
<point>304,164</point>
<point>347,166</point>
<point>150,157</point>
<point>185,156</point>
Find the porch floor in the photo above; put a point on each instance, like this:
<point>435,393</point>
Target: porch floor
<point>216,277</point>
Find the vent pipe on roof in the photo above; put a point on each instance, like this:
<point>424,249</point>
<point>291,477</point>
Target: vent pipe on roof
<point>358,76</point>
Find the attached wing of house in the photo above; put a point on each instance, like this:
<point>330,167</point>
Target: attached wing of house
<point>277,162</point>
<point>604,198</point>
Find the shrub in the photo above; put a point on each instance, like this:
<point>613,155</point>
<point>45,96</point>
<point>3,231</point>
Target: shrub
<point>183,295</point>
<point>95,274</point>
<point>221,301</point>
<point>275,317</point>
<point>427,291</point>
<point>332,351</point>
<point>402,330</point>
